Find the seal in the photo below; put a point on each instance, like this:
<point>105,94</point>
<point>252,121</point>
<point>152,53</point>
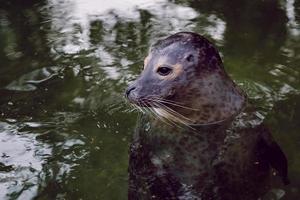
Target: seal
<point>201,138</point>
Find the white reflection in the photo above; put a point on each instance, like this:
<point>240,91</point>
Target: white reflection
<point>217,28</point>
<point>19,151</point>
<point>124,8</point>
<point>285,90</point>
<point>105,57</point>
<point>290,12</point>
<point>26,155</point>
<point>112,72</point>
<point>71,18</point>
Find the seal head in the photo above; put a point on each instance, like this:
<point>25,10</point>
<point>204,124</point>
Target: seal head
<point>184,80</point>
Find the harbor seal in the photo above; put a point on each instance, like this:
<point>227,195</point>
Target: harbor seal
<point>203,139</point>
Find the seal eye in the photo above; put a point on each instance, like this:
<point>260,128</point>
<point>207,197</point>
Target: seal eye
<point>164,71</point>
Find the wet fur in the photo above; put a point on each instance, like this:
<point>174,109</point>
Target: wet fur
<point>198,79</point>
<point>222,151</point>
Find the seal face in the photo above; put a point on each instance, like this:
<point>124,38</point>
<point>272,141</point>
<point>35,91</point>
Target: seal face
<point>184,80</point>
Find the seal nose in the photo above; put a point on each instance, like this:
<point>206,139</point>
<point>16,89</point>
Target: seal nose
<point>131,88</point>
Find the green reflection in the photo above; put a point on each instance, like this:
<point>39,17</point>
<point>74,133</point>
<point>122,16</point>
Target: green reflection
<point>62,80</point>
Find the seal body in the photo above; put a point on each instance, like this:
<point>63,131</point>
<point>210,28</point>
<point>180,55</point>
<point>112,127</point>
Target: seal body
<point>229,161</point>
<point>203,141</point>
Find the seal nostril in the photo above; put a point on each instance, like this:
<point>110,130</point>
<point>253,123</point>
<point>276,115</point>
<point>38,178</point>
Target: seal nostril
<point>129,90</point>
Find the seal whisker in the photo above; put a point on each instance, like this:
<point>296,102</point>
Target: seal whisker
<point>170,121</point>
<point>140,108</point>
<point>156,98</point>
<point>176,113</point>
<point>165,120</point>
<point>168,100</point>
<point>129,110</point>
<point>175,116</point>
<point>175,104</point>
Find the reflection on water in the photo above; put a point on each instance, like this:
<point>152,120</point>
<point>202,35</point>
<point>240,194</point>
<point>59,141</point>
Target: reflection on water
<point>77,19</point>
<point>290,12</point>
<point>64,127</point>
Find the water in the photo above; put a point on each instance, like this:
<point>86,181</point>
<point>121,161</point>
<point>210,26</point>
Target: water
<point>64,126</point>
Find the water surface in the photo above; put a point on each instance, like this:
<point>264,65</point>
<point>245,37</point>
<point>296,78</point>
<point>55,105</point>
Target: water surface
<point>64,126</point>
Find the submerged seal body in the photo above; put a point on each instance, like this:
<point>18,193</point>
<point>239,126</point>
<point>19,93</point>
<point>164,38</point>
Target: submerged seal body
<point>203,141</point>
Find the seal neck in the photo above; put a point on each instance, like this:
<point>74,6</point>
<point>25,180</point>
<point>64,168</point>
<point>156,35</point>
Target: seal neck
<point>218,101</point>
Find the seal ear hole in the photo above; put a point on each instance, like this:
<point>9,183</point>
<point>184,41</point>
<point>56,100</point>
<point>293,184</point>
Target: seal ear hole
<point>190,58</point>
<point>164,70</point>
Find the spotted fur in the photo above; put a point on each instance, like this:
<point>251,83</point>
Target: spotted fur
<point>224,152</point>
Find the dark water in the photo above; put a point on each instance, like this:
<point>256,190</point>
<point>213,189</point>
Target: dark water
<point>64,126</point>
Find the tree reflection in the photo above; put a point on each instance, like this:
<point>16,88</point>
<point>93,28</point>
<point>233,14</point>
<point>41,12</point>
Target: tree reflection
<point>56,64</point>
<point>25,43</point>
